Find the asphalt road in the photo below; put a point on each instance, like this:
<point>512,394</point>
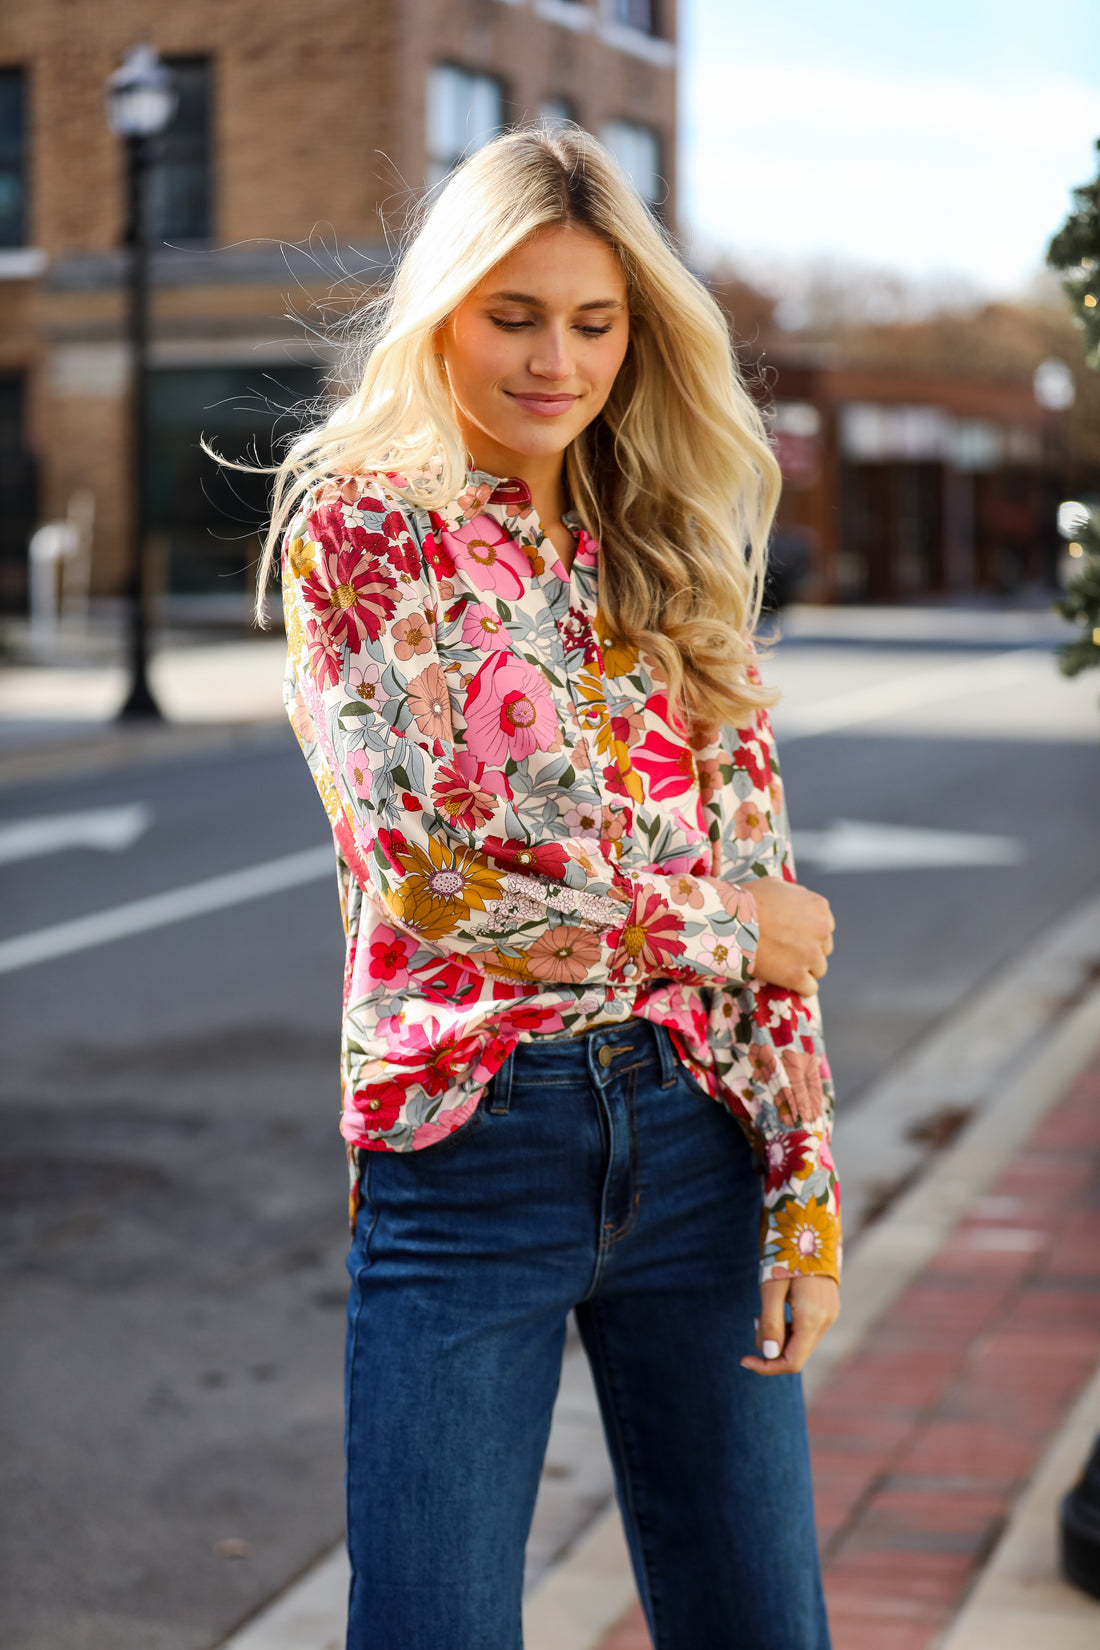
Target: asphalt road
<point>173,1182</point>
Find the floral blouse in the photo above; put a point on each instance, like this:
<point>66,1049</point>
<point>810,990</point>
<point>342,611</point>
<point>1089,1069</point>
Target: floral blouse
<point>528,843</point>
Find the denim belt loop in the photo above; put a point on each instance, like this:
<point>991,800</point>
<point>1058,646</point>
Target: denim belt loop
<point>501,1093</point>
<point>667,1054</point>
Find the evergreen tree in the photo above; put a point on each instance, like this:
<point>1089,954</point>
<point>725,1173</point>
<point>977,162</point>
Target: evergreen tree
<point>1075,251</point>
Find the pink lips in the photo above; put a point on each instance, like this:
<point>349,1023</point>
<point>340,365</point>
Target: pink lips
<point>546,406</point>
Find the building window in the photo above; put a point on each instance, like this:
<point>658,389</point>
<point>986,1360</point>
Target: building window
<point>554,112</point>
<point>179,202</point>
<point>464,110</point>
<point>638,152</point>
<point>635,14</point>
<point>13,158</point>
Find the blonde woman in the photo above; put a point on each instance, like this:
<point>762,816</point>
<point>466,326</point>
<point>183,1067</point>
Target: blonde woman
<point>582,1064</point>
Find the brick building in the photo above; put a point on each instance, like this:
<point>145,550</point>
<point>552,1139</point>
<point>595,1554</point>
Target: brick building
<point>303,134</point>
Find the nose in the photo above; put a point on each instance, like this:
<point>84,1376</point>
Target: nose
<point>551,358</point>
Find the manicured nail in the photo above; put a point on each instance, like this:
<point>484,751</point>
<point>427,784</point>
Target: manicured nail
<point>770,1349</point>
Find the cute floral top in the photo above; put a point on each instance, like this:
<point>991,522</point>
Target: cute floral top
<point>528,844</point>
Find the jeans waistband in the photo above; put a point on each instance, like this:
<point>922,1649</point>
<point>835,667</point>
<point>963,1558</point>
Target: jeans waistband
<point>600,1054</point>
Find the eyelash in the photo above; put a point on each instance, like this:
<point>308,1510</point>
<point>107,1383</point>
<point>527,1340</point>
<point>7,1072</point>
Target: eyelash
<point>517,326</point>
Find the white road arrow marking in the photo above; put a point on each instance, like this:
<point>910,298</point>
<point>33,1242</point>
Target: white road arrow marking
<point>111,829</point>
<point>858,845</point>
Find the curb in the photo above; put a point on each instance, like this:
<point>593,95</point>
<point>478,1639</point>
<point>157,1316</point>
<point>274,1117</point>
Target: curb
<point>1021,1600</point>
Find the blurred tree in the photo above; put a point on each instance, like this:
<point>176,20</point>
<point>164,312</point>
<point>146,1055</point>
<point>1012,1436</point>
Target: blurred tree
<point>1075,252</point>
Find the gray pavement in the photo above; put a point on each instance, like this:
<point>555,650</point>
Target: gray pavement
<point>171,1256</point>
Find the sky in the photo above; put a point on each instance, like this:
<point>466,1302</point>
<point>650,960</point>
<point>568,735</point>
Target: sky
<point>933,138</point>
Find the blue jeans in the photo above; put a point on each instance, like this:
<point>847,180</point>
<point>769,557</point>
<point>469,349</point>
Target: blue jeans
<point>595,1176</point>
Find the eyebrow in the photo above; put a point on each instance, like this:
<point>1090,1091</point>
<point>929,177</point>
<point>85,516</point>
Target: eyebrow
<point>537,303</point>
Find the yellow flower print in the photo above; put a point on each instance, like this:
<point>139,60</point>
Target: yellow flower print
<point>619,658</point>
<point>441,887</point>
<point>807,1238</point>
<point>301,554</point>
<point>500,965</point>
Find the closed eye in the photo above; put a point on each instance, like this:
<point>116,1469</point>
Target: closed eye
<point>518,326</point>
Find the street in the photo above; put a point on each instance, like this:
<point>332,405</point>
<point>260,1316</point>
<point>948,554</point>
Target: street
<point>173,1217</point>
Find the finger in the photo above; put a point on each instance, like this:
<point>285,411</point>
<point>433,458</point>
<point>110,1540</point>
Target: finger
<point>771,1330</point>
<point>793,1357</point>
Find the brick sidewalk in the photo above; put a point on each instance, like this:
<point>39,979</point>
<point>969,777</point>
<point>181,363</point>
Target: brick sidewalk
<point>924,1439</point>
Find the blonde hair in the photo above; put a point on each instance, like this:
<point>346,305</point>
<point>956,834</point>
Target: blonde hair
<point>675,478</point>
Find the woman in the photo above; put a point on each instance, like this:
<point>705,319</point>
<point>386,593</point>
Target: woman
<point>520,579</point>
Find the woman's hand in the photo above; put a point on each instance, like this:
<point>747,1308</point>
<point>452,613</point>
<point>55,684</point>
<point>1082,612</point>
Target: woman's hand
<point>796,935</point>
<point>785,1347</point>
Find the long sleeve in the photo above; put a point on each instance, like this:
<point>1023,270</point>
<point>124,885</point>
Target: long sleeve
<point>422,749</point>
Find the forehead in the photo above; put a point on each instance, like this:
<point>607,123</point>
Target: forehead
<point>559,265</point>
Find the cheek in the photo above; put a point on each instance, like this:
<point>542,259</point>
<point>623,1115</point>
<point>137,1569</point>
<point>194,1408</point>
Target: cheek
<point>478,358</point>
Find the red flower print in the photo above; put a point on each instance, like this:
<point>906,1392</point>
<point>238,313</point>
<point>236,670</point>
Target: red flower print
<point>648,939</point>
<point>389,956</point>
<point>437,557</point>
<point>324,654</point>
<point>531,1019</point>
<point>465,798</point>
<point>546,859</point>
<point>446,982</point>
<point>393,844</point>
<point>380,1106</point>
<point>785,1158</point>
<point>401,551</point>
<point>350,591</point>
<point>669,767</point>
<point>751,756</point>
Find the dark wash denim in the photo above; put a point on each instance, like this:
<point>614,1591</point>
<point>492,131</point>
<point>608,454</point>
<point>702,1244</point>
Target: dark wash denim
<point>618,1189</point>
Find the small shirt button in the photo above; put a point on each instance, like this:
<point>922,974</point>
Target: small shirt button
<point>374,1105</point>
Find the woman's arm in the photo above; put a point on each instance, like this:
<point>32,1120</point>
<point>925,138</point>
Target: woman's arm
<point>427,829</point>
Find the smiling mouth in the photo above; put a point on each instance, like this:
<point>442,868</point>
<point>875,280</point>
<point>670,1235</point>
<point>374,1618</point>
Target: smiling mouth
<point>545,405</point>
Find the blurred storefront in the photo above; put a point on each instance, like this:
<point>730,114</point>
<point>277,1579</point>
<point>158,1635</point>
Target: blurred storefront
<point>908,486</point>
<point>303,138</point>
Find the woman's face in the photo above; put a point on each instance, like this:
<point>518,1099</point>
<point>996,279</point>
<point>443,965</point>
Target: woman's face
<point>531,354</point>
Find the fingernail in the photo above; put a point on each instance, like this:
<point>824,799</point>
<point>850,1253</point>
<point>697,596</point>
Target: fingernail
<point>756,1323</point>
<point>770,1349</point>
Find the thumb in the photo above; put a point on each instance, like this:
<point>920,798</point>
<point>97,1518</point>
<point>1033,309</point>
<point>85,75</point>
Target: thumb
<point>771,1335</point>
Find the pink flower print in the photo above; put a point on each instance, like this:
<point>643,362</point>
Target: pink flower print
<point>668,765</point>
<point>430,703</point>
<point>324,654</point>
<point>483,628</point>
<point>762,1062</point>
<point>583,821</point>
<point>358,774</point>
<point>351,592</point>
<point>412,635</point>
<point>390,954</point>
<point>685,890</point>
<point>627,726</point>
<point>464,798</point>
<point>737,900</point>
<point>488,557</point>
<point>363,680</point>
<point>614,822</point>
<point>722,956</point>
<point>750,822</point>
<point>509,711</point>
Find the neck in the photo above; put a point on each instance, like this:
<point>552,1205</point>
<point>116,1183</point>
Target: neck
<point>544,475</point>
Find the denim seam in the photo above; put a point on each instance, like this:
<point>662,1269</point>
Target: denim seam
<point>353,1338</point>
<point>614,1236</point>
<point>631,1478</point>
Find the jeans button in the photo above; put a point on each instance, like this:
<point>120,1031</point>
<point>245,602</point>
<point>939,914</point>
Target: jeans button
<point>605,1056</point>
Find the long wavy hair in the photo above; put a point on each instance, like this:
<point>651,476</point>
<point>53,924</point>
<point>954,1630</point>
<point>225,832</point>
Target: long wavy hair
<point>675,477</point>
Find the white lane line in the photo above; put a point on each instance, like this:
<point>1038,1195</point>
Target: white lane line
<point>925,687</point>
<point>138,916</point>
<point>859,845</point>
<point>109,829</point>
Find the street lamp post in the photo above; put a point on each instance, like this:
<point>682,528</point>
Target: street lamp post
<point>141,102</point>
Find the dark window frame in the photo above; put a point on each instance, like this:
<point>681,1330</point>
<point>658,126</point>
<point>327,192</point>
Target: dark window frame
<point>181,203</point>
<point>15,155</point>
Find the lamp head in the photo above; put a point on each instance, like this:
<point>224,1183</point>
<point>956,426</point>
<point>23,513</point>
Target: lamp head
<point>141,98</point>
